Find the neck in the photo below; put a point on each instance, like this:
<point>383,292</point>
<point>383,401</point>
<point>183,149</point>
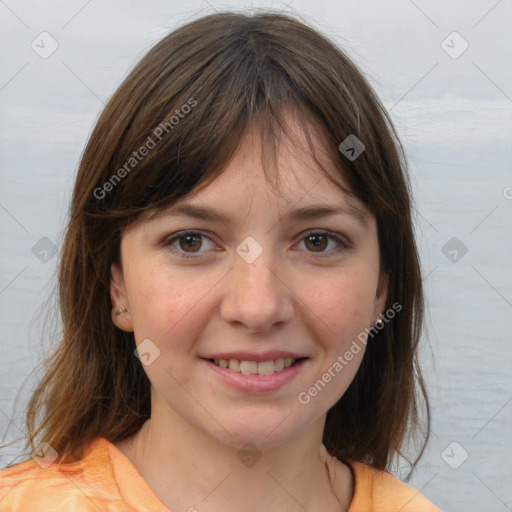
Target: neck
<point>188,470</point>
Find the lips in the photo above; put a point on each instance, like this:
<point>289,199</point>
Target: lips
<point>256,383</point>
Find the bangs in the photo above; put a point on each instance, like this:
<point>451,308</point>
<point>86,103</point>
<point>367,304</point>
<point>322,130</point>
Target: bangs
<point>286,130</point>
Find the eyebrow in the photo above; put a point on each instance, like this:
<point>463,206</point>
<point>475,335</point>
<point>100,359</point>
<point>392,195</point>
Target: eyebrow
<point>306,213</point>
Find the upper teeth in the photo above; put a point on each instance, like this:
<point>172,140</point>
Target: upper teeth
<point>255,368</point>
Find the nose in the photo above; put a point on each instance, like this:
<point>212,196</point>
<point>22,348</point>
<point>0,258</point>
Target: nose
<point>257,297</point>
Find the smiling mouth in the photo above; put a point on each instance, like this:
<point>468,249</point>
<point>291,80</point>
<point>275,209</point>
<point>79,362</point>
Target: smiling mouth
<point>256,368</point>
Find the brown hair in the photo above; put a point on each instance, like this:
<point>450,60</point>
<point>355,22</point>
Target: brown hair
<point>232,71</point>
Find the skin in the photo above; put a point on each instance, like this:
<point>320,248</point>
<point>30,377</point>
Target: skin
<point>310,299</point>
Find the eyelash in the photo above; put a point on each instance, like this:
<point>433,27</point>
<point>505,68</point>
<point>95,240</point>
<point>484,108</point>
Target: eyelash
<point>182,234</point>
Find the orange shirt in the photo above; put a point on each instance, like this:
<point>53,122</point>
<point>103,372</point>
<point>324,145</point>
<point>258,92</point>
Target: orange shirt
<point>106,480</point>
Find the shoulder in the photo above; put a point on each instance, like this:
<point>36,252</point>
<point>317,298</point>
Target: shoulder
<point>384,492</point>
<point>85,485</point>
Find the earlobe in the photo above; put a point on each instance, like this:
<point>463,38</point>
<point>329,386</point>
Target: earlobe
<point>120,313</point>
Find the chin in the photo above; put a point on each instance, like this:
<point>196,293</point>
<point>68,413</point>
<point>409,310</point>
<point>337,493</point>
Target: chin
<point>262,433</point>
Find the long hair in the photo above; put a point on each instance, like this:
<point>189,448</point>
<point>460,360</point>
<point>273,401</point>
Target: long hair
<point>171,128</point>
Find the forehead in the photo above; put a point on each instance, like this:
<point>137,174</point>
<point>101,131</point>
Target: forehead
<point>296,158</point>
<point>301,179</point>
<point>298,188</point>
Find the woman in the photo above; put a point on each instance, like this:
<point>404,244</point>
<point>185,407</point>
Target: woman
<point>240,290</point>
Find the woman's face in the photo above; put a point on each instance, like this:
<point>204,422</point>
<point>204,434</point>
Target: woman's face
<point>255,291</point>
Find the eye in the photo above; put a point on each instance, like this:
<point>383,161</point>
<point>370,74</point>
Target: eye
<point>188,243</point>
<point>318,241</point>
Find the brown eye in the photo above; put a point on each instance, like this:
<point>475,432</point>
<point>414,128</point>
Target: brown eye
<point>317,242</point>
<point>192,242</point>
<point>186,244</point>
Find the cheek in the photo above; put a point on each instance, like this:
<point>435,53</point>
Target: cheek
<point>342,305</point>
<point>346,309</point>
<point>166,307</point>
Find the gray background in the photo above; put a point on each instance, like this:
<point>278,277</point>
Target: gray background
<point>454,114</point>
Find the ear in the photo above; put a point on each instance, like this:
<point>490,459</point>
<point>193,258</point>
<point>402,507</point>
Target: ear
<point>381,295</point>
<point>119,300</point>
